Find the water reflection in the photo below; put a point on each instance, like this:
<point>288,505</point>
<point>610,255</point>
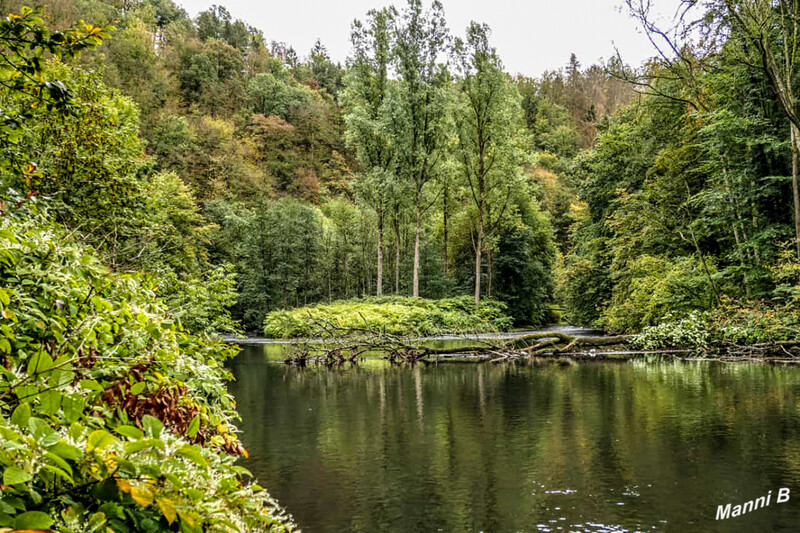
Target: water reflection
<point>596,447</point>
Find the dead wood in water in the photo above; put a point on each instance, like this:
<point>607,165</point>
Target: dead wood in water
<point>337,346</point>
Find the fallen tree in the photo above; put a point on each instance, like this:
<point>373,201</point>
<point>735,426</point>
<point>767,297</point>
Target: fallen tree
<point>335,345</point>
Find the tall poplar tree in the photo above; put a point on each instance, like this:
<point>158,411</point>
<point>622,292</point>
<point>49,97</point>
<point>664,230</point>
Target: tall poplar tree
<point>421,109</point>
<point>367,120</point>
<point>490,148</point>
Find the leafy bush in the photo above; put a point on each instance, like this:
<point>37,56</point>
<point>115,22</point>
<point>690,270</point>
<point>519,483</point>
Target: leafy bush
<point>755,322</point>
<point>730,324</point>
<point>654,287</point>
<point>396,315</point>
<point>201,303</point>
<point>111,416</point>
<point>690,332</point>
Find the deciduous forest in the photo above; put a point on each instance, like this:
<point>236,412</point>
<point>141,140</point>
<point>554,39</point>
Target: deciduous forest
<point>169,179</point>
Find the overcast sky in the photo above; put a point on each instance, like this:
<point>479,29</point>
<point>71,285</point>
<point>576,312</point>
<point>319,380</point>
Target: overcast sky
<point>531,36</point>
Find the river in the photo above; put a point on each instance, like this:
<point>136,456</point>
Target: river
<point>600,446</point>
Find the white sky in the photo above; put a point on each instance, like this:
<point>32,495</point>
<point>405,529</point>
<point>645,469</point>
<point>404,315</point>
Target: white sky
<point>531,36</point>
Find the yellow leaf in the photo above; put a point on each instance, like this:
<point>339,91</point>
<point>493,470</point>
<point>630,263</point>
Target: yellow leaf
<point>189,519</point>
<point>167,509</point>
<point>142,494</point>
<point>123,485</point>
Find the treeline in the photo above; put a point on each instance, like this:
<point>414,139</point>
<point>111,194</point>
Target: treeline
<point>226,164</point>
<point>689,197</point>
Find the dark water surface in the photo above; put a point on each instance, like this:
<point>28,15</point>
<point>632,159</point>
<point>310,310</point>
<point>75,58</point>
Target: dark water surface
<point>596,447</point>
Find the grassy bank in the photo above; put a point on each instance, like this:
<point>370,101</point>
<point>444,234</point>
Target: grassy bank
<point>395,315</point>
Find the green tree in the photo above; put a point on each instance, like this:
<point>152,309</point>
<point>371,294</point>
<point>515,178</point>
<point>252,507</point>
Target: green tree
<point>368,119</point>
<point>488,121</point>
<point>419,106</point>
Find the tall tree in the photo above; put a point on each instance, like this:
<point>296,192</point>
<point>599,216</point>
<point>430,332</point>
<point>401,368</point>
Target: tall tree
<point>367,119</point>
<point>489,118</point>
<point>422,101</point>
<point>770,33</point>
<point>773,29</point>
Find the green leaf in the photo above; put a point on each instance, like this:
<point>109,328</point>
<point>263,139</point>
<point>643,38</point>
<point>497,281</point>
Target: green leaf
<point>66,451</point>
<point>21,415</point>
<point>60,473</point>
<point>97,521</point>
<point>59,461</point>
<point>33,520</point>
<point>139,445</point>
<point>90,384</point>
<point>152,426</point>
<point>99,440</point>
<point>194,427</point>
<point>130,432</point>
<point>50,402</point>
<point>40,362</point>
<point>154,332</point>
<point>193,454</point>
<point>14,475</point>
<point>138,388</point>
<point>72,406</point>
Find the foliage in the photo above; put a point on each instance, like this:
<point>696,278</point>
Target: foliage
<point>201,302</point>
<point>729,325</point>
<point>395,315</point>
<point>112,416</point>
<point>490,149</point>
<point>689,332</point>
<point>89,162</point>
<point>24,41</point>
<point>655,287</point>
<point>523,265</point>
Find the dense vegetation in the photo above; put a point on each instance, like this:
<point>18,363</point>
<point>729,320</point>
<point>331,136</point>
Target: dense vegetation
<point>689,197</point>
<point>114,414</point>
<point>188,178</point>
<point>298,180</point>
<point>390,314</point>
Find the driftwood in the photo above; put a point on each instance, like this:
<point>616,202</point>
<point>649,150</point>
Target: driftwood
<point>337,346</point>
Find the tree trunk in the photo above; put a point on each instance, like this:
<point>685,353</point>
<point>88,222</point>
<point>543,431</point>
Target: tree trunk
<point>379,288</point>
<point>735,207</point>
<point>397,253</point>
<point>489,272</point>
<point>795,188</point>
<point>417,229</point>
<point>445,253</point>
<point>478,246</point>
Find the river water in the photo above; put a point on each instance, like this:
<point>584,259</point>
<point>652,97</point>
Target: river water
<point>601,446</point>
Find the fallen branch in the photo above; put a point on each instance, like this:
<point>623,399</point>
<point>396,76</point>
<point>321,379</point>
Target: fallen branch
<point>337,346</point>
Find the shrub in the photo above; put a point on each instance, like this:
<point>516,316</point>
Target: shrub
<point>755,322</point>
<point>111,416</point>
<point>395,315</point>
<point>690,332</point>
<point>653,287</point>
<point>730,324</point>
